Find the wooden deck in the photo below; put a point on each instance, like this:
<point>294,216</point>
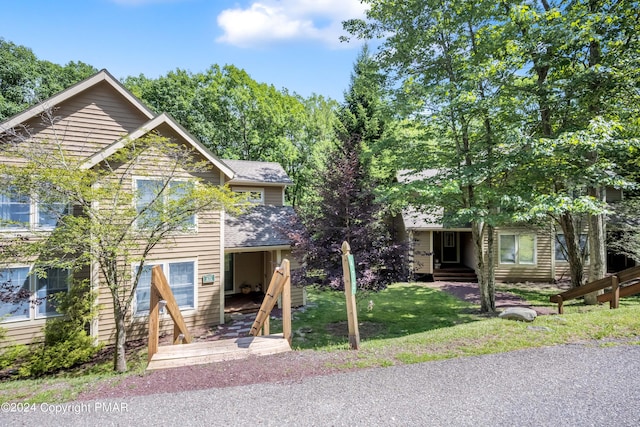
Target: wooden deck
<point>174,356</point>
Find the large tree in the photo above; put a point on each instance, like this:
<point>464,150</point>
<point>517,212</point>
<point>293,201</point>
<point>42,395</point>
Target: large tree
<point>346,208</point>
<point>506,82</point>
<point>110,224</point>
<point>452,75</point>
<point>239,118</point>
<point>26,80</point>
<point>582,60</point>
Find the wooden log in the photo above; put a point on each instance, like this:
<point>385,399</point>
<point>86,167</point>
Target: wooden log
<point>629,274</point>
<point>624,291</point>
<point>159,281</point>
<point>154,324</point>
<point>270,299</point>
<point>581,291</point>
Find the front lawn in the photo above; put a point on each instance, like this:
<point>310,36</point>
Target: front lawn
<point>406,323</point>
<point>400,310</point>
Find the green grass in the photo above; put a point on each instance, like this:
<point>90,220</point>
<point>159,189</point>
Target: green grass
<point>406,323</point>
<point>401,309</point>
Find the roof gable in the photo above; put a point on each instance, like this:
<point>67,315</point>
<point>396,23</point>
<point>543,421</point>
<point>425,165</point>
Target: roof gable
<point>70,92</point>
<point>162,119</point>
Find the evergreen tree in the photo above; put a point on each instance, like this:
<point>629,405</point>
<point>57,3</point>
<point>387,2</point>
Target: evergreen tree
<point>347,208</point>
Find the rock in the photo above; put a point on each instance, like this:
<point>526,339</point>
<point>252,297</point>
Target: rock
<point>519,313</point>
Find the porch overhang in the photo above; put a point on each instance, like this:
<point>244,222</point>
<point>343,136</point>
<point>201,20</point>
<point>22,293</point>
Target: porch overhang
<point>256,249</point>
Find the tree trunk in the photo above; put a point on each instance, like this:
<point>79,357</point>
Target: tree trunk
<point>574,254</point>
<point>484,267</point>
<point>597,245</point>
<point>120,356</point>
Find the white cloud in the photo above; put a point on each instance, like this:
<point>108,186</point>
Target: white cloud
<point>278,20</point>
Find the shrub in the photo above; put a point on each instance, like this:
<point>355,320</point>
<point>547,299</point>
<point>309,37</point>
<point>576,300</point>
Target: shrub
<point>66,339</point>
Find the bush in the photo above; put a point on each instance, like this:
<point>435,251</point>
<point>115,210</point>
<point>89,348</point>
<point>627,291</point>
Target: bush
<point>9,355</point>
<point>66,339</point>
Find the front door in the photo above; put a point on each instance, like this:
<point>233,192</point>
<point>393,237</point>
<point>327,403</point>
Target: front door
<point>450,247</point>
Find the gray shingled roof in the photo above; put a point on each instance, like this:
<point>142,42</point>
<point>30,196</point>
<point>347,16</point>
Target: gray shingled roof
<point>412,218</point>
<point>260,226</point>
<point>257,172</point>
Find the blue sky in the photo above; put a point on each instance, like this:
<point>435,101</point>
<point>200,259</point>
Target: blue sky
<point>290,44</point>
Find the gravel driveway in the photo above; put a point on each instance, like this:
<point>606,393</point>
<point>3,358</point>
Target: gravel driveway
<point>570,385</point>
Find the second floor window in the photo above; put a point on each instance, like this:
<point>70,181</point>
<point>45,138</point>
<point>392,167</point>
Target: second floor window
<point>254,195</point>
<point>153,201</point>
<point>22,212</point>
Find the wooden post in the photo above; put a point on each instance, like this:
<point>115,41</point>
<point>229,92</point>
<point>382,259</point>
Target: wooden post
<point>280,277</point>
<point>348,271</point>
<point>154,323</point>
<point>615,290</point>
<point>160,285</point>
<point>160,289</point>
<point>286,301</point>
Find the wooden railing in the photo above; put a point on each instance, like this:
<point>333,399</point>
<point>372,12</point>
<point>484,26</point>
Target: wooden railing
<point>614,284</point>
<point>280,285</point>
<point>160,291</point>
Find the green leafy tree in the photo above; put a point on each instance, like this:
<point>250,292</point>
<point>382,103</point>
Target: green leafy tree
<point>583,59</point>
<point>25,80</point>
<point>239,118</point>
<point>500,84</point>
<point>452,75</point>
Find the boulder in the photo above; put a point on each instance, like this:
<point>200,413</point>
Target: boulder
<point>519,313</point>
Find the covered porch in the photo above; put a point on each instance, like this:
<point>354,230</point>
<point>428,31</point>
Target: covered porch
<point>245,278</point>
<point>255,244</point>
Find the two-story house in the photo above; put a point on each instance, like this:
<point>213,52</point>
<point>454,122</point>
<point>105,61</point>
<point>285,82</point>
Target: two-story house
<point>211,261</point>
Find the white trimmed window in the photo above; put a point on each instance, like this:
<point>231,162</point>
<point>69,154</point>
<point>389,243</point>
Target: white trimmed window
<point>181,276</point>
<point>21,212</point>
<point>254,194</point>
<point>16,280</point>
<point>519,248</point>
<point>148,190</point>
<point>561,247</point>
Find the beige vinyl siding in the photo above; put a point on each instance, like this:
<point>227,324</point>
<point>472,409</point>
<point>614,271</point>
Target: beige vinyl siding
<point>541,271</point>
<point>249,273</point>
<point>201,246</point>
<point>90,121</point>
<point>23,332</point>
<point>422,261</point>
<point>273,196</point>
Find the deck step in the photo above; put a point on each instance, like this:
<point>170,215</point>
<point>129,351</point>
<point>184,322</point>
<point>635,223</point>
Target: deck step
<point>173,356</point>
<point>454,274</point>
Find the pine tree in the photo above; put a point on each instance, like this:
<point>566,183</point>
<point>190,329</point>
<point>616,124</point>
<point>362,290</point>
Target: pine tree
<point>348,209</point>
